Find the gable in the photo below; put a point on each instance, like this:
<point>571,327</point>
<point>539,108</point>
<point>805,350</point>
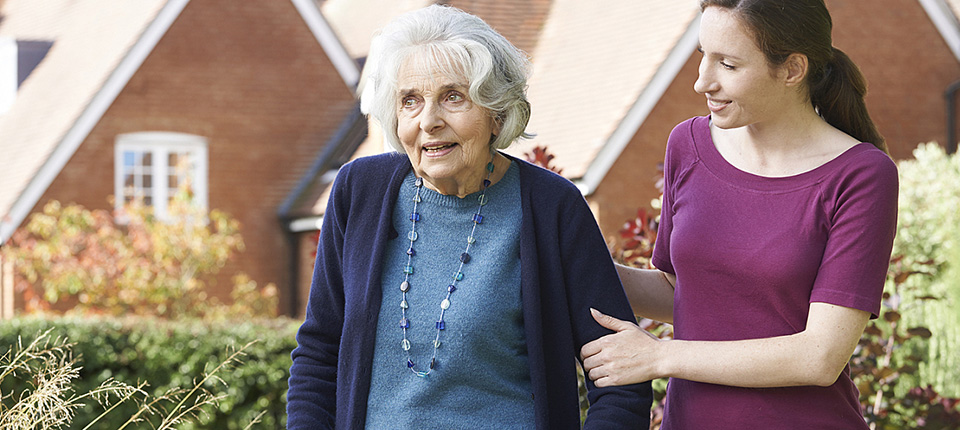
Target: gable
<point>59,102</point>
<point>78,81</point>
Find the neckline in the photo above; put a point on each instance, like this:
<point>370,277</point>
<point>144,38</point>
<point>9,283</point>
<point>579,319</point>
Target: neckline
<point>445,200</point>
<point>714,161</point>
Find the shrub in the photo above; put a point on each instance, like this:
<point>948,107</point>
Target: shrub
<point>928,240</point>
<point>142,266</point>
<point>170,355</point>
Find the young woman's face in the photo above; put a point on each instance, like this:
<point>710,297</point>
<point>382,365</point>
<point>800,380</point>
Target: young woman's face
<point>741,87</point>
<point>444,133</point>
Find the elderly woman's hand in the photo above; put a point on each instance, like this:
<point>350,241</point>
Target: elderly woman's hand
<point>628,356</point>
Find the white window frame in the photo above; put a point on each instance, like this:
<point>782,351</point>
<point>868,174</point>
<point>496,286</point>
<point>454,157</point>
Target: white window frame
<point>160,144</point>
<point>8,72</point>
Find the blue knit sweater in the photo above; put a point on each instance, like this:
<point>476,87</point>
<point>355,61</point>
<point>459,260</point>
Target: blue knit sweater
<point>567,269</point>
<point>482,376</point>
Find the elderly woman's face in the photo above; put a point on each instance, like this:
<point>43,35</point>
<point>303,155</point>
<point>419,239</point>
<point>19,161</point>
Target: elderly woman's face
<point>445,135</point>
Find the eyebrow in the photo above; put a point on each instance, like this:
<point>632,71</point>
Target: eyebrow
<point>408,91</point>
<point>720,54</point>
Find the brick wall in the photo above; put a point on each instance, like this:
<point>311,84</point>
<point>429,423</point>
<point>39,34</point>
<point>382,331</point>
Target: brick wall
<point>907,65</point>
<point>251,78</point>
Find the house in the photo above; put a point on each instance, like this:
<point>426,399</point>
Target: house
<point>113,92</point>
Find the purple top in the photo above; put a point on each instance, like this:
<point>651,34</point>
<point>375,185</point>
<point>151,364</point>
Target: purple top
<point>751,252</point>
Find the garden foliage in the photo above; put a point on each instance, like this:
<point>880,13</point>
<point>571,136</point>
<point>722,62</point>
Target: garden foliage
<point>928,241</point>
<point>141,266</point>
<point>159,359</point>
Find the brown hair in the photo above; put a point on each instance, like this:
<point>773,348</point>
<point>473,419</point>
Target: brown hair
<point>836,85</point>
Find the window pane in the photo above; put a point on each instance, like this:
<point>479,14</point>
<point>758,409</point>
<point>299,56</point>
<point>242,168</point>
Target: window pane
<point>147,159</point>
<point>173,181</point>
<point>147,181</point>
<point>128,181</point>
<point>129,158</point>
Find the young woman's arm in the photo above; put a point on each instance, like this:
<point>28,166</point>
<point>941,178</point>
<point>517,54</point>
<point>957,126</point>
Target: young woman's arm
<point>650,292</point>
<point>814,356</point>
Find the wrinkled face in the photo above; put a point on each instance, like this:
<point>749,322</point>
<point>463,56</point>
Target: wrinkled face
<point>741,87</point>
<point>445,134</point>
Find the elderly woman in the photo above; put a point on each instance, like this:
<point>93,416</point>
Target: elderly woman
<point>453,283</point>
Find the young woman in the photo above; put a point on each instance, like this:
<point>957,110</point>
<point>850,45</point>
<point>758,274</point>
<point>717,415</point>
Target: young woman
<point>775,235</point>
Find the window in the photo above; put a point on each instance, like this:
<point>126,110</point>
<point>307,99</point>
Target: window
<point>29,54</point>
<point>153,165</point>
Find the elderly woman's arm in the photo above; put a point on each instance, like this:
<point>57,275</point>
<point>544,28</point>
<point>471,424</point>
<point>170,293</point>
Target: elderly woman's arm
<point>311,399</point>
<point>592,281</point>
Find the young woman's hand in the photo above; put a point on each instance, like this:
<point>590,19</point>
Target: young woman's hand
<point>627,356</point>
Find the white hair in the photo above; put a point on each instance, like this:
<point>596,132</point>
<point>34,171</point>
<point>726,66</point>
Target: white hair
<point>459,44</point>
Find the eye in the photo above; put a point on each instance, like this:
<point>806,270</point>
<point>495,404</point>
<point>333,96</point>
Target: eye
<point>408,102</point>
<point>727,66</point>
<point>454,97</point>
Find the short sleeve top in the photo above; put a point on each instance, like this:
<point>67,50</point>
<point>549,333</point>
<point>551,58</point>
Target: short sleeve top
<point>751,253</point>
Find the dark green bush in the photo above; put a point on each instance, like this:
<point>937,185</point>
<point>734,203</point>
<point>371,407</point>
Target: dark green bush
<point>171,354</point>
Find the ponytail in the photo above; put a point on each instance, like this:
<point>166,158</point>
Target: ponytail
<point>837,92</point>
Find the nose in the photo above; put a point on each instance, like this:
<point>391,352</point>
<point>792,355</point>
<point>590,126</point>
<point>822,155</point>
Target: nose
<point>705,82</point>
<point>431,118</point>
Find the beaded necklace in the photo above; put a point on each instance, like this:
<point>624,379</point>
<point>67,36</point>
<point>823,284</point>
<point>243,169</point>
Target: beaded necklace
<point>458,276</point>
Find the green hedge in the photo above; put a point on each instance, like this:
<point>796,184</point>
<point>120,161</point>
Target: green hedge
<point>928,236</point>
<point>169,354</point>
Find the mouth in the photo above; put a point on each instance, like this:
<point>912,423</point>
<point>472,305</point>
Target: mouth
<point>716,105</point>
<point>438,149</point>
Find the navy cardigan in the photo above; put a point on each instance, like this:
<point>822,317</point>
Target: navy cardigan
<point>566,269</point>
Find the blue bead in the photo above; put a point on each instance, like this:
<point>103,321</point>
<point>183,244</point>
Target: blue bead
<point>414,217</point>
<point>477,218</point>
<point>440,325</point>
<point>458,276</point>
<point>433,363</point>
<point>408,270</point>
<point>404,323</point>
<point>490,166</point>
<point>410,364</point>
<point>451,288</point>
<point>486,183</point>
<point>419,182</point>
<point>405,286</point>
<point>465,258</point>
<point>411,252</point>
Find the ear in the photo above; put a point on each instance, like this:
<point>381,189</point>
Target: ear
<point>794,69</point>
<point>497,126</point>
